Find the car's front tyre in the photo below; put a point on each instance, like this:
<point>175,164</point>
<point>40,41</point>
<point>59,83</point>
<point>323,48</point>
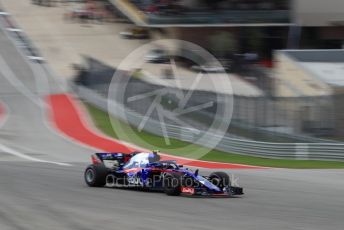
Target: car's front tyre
<point>220,179</point>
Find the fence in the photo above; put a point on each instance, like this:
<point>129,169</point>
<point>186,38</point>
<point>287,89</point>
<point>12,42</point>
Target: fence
<point>261,118</point>
<point>314,151</point>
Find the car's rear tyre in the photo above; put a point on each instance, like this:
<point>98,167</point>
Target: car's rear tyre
<point>172,184</point>
<point>220,179</point>
<point>95,175</point>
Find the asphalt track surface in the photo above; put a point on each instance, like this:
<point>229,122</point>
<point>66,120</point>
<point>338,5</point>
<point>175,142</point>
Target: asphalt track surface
<point>39,191</point>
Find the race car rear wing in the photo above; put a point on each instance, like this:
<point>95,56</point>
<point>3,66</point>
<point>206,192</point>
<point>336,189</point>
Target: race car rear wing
<point>99,158</point>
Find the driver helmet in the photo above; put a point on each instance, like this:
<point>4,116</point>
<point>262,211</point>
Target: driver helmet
<point>155,156</point>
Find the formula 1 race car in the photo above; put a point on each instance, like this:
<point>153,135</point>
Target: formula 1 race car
<point>145,171</point>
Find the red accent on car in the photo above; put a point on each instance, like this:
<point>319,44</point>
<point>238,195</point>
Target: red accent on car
<point>132,170</point>
<point>95,160</point>
<point>188,190</point>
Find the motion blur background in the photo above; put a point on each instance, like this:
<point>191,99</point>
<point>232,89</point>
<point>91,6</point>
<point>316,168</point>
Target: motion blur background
<point>286,56</point>
<point>284,59</point>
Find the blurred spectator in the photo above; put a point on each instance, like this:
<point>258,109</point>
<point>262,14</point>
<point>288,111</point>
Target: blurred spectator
<point>89,11</point>
<point>152,9</point>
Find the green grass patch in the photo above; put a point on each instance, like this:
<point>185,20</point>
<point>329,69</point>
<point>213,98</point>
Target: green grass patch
<point>103,122</point>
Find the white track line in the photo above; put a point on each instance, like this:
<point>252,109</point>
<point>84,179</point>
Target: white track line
<point>7,72</point>
<point>29,158</point>
<point>10,76</point>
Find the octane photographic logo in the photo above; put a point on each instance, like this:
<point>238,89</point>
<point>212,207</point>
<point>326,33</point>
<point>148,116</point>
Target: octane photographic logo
<point>136,182</point>
<point>154,92</point>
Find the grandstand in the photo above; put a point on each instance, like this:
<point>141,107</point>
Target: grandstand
<point>309,72</point>
<point>315,78</point>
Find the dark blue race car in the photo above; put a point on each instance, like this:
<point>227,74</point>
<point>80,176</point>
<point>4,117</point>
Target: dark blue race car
<point>146,171</point>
